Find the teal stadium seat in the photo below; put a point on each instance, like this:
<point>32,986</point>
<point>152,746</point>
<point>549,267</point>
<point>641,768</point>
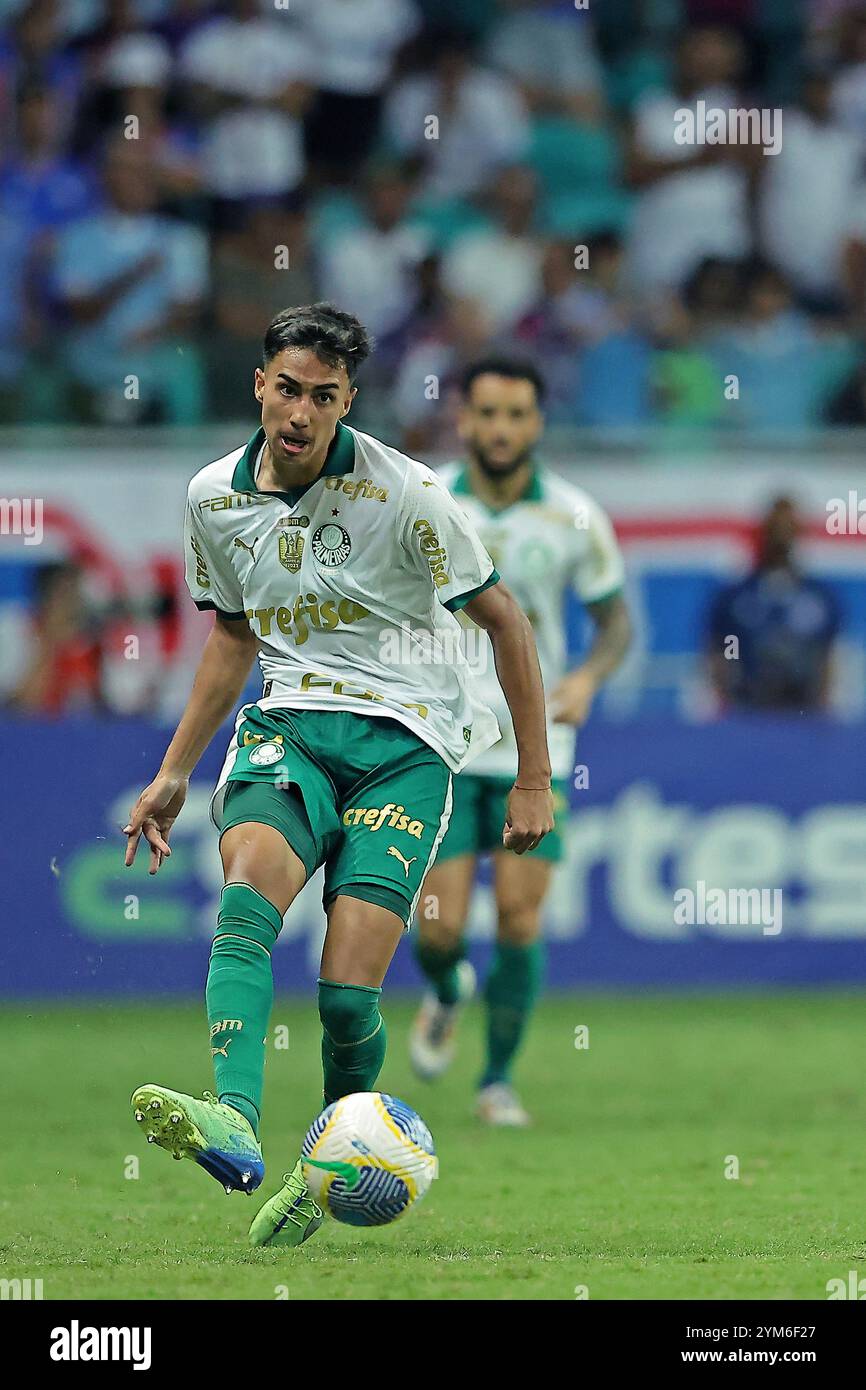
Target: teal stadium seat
<point>447,218</point>
<point>585,214</point>
<point>574,156</point>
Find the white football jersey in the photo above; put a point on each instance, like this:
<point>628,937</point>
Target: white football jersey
<point>350,584</point>
<point>553,539</point>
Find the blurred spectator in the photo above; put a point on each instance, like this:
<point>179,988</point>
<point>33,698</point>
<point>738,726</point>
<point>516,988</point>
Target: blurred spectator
<point>847,407</point>
<point>809,198</point>
<point>355,45</point>
<point>32,53</point>
<point>784,623</point>
<point>247,54</point>
<point>41,190</point>
<point>257,269</point>
<point>576,308</point>
<point>849,85</point>
<point>371,270</point>
<point>252,77</point>
<point>687,378</point>
<point>181,19</point>
<point>40,185</point>
<point>692,198</point>
<point>132,283</point>
<point>132,95</point>
<point>463,121</point>
<point>113,20</point>
<point>62,674</point>
<point>773,350</point>
<point>499,270</point>
<point>18,326</point>
<point>426,392</point>
<point>547,47</point>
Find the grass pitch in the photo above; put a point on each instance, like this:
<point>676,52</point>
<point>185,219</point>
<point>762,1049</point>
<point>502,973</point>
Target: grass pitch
<point>619,1189</point>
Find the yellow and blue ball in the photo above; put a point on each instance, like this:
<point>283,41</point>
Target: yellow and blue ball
<point>368,1158</point>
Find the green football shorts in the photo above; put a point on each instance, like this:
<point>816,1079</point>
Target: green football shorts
<point>361,795</point>
<point>478,817</point>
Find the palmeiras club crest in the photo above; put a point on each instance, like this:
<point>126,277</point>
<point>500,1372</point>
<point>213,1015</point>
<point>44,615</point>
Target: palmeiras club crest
<point>331,544</point>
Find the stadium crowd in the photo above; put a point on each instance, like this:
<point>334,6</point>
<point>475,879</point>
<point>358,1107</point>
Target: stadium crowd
<point>175,171</point>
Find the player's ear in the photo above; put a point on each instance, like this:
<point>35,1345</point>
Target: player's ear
<point>259,384</point>
<point>347,403</point>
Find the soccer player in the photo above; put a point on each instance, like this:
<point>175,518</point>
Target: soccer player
<point>546,537</point>
<point>315,545</point>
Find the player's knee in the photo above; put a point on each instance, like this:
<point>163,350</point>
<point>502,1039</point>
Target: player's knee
<point>349,1013</point>
<point>519,924</point>
<point>442,934</point>
<point>262,860</point>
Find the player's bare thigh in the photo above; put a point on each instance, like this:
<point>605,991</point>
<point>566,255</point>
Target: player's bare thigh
<point>521,885</point>
<point>444,901</point>
<point>260,856</point>
<point>360,941</point>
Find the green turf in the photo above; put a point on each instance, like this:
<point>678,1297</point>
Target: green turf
<point>619,1187</point>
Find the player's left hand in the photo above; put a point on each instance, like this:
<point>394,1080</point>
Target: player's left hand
<point>152,816</point>
<point>571,700</point>
<point>528,818</point>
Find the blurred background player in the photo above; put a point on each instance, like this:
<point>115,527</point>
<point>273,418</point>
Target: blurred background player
<point>546,536</point>
<point>785,623</point>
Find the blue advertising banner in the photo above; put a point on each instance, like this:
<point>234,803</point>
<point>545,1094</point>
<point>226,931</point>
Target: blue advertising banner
<point>727,853</point>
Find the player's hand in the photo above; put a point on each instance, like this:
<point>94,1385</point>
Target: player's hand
<point>152,816</point>
<point>571,701</point>
<point>528,818</point>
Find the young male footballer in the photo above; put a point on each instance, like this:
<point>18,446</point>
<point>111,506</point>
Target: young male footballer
<point>314,544</point>
<point>545,537</point>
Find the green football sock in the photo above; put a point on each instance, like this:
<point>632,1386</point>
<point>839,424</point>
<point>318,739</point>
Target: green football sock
<point>439,967</point>
<point>239,995</point>
<point>353,1038</point>
<point>510,993</point>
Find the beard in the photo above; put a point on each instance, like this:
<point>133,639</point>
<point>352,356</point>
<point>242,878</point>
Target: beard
<point>499,470</point>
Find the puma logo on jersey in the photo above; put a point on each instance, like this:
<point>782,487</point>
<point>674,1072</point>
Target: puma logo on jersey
<point>243,545</point>
<point>392,849</point>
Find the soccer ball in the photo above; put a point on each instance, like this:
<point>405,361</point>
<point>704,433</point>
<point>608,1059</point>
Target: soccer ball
<point>368,1158</point>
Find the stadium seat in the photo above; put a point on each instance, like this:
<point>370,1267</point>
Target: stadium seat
<point>573,155</point>
<point>583,214</point>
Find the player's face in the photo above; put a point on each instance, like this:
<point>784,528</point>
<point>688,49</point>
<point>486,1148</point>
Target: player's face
<point>302,399</point>
<point>500,422</point>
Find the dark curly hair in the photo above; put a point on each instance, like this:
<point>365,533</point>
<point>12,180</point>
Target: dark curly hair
<point>334,336</point>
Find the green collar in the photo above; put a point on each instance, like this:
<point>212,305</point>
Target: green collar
<point>533,492</point>
<point>340,459</point>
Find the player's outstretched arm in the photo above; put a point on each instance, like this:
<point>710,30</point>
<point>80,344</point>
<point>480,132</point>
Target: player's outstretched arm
<point>222,672</point>
<point>530,803</point>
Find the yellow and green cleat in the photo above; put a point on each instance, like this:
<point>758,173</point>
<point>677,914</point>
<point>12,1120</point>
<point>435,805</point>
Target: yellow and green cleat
<point>217,1137</point>
<point>289,1217</point>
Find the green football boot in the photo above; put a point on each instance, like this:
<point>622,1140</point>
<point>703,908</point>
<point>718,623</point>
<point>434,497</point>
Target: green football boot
<point>216,1136</point>
<point>289,1217</point>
